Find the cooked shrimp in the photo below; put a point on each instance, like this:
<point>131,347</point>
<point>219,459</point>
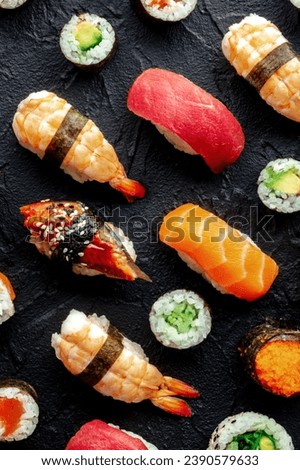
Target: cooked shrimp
<point>50,127</point>
<point>100,355</point>
<point>261,54</point>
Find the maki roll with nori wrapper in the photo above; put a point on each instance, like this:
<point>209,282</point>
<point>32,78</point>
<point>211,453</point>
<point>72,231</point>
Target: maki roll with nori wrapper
<point>279,185</point>
<point>88,41</point>
<point>250,431</point>
<point>180,319</point>
<point>165,10</point>
<point>7,296</point>
<point>19,410</point>
<point>11,4</point>
<point>272,357</point>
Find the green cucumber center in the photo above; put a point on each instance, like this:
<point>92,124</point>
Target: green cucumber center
<point>182,317</point>
<point>257,440</point>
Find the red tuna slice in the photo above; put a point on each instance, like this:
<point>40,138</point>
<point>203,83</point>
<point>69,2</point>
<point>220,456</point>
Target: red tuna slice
<point>191,117</point>
<point>97,435</point>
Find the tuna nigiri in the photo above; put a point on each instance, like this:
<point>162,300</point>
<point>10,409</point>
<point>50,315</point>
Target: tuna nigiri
<point>223,255</point>
<point>50,127</point>
<point>190,118</point>
<point>97,435</point>
<point>96,352</point>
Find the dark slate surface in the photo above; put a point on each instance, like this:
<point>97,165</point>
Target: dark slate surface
<point>31,60</point>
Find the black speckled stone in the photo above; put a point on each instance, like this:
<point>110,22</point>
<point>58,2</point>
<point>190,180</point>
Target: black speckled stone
<point>30,61</point>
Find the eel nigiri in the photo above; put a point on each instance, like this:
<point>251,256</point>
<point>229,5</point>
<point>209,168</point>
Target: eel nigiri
<point>272,358</point>
<point>54,130</point>
<point>19,410</point>
<point>7,295</point>
<point>225,257</point>
<point>97,435</point>
<point>190,118</point>
<point>69,232</point>
<point>96,352</point>
<point>263,56</point>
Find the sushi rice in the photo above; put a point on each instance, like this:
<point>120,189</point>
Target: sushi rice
<point>95,56</point>
<point>26,395</point>
<point>137,436</point>
<point>246,422</point>
<point>273,198</point>
<point>11,4</point>
<point>6,305</point>
<point>174,10</point>
<point>180,319</point>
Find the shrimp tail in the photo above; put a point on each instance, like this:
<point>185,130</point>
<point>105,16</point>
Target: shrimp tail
<point>173,405</point>
<point>178,387</point>
<point>129,188</point>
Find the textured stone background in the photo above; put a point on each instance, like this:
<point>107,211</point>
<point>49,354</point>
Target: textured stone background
<point>31,60</point>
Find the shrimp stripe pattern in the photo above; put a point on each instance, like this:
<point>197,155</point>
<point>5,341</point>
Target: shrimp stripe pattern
<point>104,359</point>
<point>65,137</point>
<point>264,70</point>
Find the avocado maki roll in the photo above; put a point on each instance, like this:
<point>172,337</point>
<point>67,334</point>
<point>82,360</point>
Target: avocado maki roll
<point>165,10</point>
<point>250,431</point>
<point>279,185</point>
<point>88,41</point>
<point>11,4</point>
<point>180,319</point>
<point>272,358</point>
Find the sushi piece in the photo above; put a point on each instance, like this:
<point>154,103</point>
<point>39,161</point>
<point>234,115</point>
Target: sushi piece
<point>51,128</point>
<point>11,4</point>
<point>97,435</point>
<point>70,233</point>
<point>250,431</point>
<point>180,319</point>
<point>272,358</point>
<point>225,257</point>
<point>190,118</point>
<point>88,41</point>
<point>165,10</point>
<point>7,296</point>
<point>296,3</point>
<point>19,410</point>
<point>96,352</point>
<point>263,56</point>
<point>279,185</point>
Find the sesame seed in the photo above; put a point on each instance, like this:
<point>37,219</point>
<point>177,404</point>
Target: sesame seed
<point>82,233</point>
<point>65,250</point>
<point>43,227</point>
<point>80,254</point>
<point>67,258</point>
<point>38,224</point>
<point>86,242</point>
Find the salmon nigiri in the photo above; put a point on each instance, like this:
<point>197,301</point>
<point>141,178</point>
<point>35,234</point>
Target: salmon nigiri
<point>225,257</point>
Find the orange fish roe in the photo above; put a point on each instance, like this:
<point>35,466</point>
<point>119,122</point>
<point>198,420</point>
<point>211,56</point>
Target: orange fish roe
<point>11,411</point>
<point>160,3</point>
<point>277,366</point>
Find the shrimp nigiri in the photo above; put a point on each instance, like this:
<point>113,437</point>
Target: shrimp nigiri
<point>69,232</point>
<point>261,54</point>
<point>51,128</point>
<point>225,257</point>
<point>95,351</point>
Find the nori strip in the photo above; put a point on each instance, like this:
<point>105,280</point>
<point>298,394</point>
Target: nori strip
<point>23,386</point>
<point>258,337</point>
<point>104,359</point>
<point>264,70</point>
<point>65,137</point>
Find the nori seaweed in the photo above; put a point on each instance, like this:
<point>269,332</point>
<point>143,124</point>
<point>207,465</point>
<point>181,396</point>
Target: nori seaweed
<point>65,137</point>
<point>104,359</point>
<point>264,70</point>
<point>23,386</point>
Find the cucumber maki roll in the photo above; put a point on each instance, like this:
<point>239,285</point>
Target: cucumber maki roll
<point>11,4</point>
<point>272,358</point>
<point>250,431</point>
<point>279,185</point>
<point>165,10</point>
<point>180,319</point>
<point>88,41</point>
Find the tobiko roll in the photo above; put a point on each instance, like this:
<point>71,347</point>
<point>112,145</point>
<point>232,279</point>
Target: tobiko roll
<point>165,10</point>
<point>272,357</point>
<point>279,185</point>
<point>19,410</point>
<point>88,41</point>
<point>97,435</point>
<point>250,431</point>
<point>180,319</point>
<point>191,119</point>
